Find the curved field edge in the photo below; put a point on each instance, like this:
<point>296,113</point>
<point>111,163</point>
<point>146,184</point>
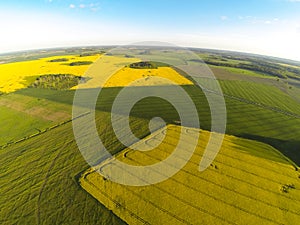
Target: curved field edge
<point>239,187</point>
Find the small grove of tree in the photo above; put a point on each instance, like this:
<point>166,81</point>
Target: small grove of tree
<point>80,63</point>
<point>141,65</point>
<point>59,60</point>
<point>148,65</point>
<point>91,53</point>
<point>57,81</point>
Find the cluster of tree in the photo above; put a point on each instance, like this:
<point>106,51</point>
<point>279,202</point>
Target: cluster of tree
<point>148,65</point>
<point>57,81</point>
<point>142,65</point>
<point>80,63</point>
<point>59,60</point>
<point>265,67</point>
<point>91,53</point>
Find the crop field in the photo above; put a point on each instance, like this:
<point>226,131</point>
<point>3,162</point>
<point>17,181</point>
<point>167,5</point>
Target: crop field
<point>274,127</point>
<point>15,125</point>
<point>261,93</point>
<point>37,107</point>
<point>244,119</point>
<point>18,75</point>
<point>22,116</point>
<point>108,73</point>
<point>238,188</point>
<point>244,72</point>
<point>228,73</point>
<point>145,76</point>
<point>38,184</point>
<point>295,93</point>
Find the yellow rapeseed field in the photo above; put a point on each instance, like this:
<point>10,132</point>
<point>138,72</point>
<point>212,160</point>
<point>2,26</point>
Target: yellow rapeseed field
<point>111,71</point>
<point>238,188</point>
<point>145,77</point>
<point>13,75</point>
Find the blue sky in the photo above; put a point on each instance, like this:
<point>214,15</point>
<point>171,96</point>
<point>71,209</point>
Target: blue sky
<point>270,27</point>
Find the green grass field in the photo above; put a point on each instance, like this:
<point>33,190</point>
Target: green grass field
<point>243,120</point>
<point>22,116</point>
<point>15,125</point>
<point>38,184</point>
<point>261,93</point>
<point>243,72</point>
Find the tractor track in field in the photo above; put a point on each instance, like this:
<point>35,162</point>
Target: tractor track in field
<point>228,189</point>
<point>45,181</point>
<point>210,196</point>
<point>38,220</point>
<point>250,102</point>
<point>113,200</point>
<point>258,104</point>
<point>245,210</point>
<point>41,131</point>
<point>38,212</point>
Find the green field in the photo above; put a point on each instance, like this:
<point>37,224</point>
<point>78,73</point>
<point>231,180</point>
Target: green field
<point>261,93</point>
<point>16,125</point>
<point>244,72</point>
<point>38,179</point>
<point>272,126</point>
<point>23,116</point>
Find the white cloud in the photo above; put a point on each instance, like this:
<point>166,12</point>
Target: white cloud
<point>224,18</point>
<point>94,7</point>
<point>259,21</point>
<point>91,6</point>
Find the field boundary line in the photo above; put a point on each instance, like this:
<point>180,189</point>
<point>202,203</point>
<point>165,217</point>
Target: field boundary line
<point>42,131</point>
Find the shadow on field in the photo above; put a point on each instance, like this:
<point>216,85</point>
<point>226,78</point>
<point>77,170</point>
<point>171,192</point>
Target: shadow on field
<point>147,108</point>
<point>289,148</point>
<point>60,96</point>
<point>258,121</point>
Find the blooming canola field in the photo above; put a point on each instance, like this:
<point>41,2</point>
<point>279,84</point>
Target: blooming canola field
<point>17,75</point>
<point>237,188</point>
